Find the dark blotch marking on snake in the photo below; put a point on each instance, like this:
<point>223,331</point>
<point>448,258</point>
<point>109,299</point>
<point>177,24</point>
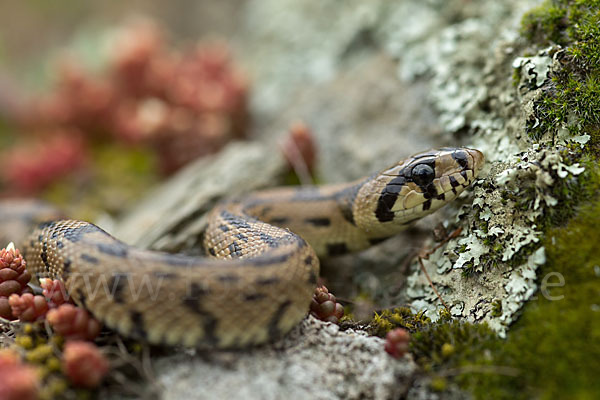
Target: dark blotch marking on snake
<point>119,250</point>
<point>318,221</point>
<point>388,198</point>
<point>192,302</point>
<point>308,260</point>
<point>81,299</point>
<point>228,278</point>
<point>273,326</point>
<point>267,260</point>
<point>345,200</point>
<point>47,225</point>
<point>336,249</point>
<point>54,234</point>
<point>461,158</point>
<point>44,256</point>
<point>176,260</point>
<point>75,234</point>
<point>234,220</point>
<point>301,242</point>
<point>165,275</point>
<point>194,293</point>
<point>90,259</point>
<point>254,296</point>
<point>453,182</point>
<point>242,237</point>
<point>269,240</point>
<point>312,277</point>
<point>116,285</point>
<point>224,228</point>
<point>265,210</point>
<point>266,281</point>
<point>66,266</point>
<point>60,245</point>
<point>137,320</point>
<point>210,328</point>
<point>464,175</point>
<point>427,205</point>
<point>235,250</point>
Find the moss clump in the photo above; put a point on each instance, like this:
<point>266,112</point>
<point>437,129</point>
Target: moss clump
<point>546,23</point>
<point>555,341</point>
<point>572,98</point>
<point>452,344</point>
<point>401,317</point>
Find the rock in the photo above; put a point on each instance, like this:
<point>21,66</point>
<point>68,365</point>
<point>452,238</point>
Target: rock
<point>316,360</point>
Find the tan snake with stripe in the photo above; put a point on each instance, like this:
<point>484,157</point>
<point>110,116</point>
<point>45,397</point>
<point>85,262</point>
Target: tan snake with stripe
<point>259,277</point>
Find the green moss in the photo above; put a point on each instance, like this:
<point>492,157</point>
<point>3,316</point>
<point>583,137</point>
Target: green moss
<point>554,344</point>
<point>401,317</point>
<point>569,312</point>
<point>496,308</point>
<point>572,98</point>
<point>450,344</point>
<point>545,23</point>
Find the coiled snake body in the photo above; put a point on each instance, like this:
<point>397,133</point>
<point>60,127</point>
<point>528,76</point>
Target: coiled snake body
<point>259,277</point>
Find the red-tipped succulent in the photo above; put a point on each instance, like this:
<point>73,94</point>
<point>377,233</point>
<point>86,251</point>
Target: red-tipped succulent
<point>27,307</point>
<point>19,381</point>
<point>54,291</point>
<point>57,153</point>
<point>84,364</point>
<point>13,278</point>
<point>325,307</point>
<point>73,322</point>
<point>397,342</point>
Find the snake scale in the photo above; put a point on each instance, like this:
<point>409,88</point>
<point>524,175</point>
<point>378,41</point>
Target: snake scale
<point>258,277</point>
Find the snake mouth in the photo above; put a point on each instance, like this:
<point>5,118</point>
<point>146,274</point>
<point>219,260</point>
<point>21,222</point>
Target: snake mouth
<point>478,160</point>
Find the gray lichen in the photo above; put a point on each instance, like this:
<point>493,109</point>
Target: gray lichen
<point>489,271</point>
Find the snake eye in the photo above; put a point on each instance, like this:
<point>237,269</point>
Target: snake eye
<point>422,174</point>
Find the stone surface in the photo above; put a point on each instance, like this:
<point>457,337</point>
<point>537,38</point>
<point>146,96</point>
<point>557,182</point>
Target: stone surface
<point>316,360</point>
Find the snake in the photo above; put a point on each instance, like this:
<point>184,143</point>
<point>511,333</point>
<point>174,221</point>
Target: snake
<point>261,263</point>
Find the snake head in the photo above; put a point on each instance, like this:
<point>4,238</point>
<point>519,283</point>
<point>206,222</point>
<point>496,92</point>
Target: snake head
<point>418,186</point>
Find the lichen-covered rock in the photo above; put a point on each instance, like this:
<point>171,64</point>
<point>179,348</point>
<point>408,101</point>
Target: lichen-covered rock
<point>316,361</point>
